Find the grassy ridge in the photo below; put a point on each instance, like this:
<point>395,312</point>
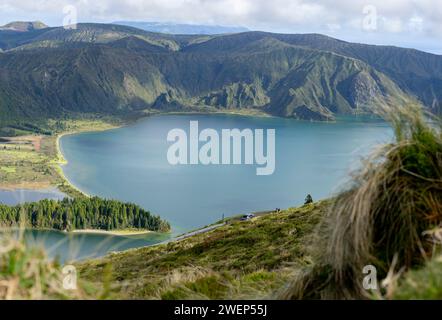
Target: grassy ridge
<point>243,259</point>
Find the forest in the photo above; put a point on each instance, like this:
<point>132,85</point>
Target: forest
<point>81,213</point>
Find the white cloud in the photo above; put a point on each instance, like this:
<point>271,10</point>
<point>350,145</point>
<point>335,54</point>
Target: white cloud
<point>416,24</point>
<point>392,25</point>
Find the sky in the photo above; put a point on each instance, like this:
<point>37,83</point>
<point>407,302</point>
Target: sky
<point>406,23</point>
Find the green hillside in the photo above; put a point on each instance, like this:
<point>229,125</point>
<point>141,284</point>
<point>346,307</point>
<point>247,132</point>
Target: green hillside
<point>118,70</point>
<point>243,259</point>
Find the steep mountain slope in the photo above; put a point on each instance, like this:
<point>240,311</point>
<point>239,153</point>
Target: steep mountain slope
<point>130,74</point>
<point>90,79</point>
<point>110,69</point>
<point>10,39</point>
<point>417,73</point>
<point>240,260</point>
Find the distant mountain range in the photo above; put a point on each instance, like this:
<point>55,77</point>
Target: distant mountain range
<point>177,28</point>
<point>114,69</point>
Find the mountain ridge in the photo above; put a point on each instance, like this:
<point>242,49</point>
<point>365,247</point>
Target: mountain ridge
<point>113,69</point>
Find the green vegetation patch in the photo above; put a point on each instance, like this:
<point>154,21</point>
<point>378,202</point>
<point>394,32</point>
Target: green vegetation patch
<point>424,283</point>
<point>239,260</point>
<point>30,159</point>
<point>8,169</point>
<point>82,213</point>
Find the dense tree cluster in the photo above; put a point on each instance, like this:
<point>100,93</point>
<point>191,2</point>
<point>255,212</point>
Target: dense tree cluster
<point>81,213</point>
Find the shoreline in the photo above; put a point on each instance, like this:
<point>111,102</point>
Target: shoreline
<point>247,113</point>
<point>123,232</point>
<point>110,232</point>
<point>55,161</point>
<point>61,160</point>
<point>67,187</point>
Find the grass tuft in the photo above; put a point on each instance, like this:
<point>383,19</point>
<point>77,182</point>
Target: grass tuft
<point>383,216</point>
<point>26,273</point>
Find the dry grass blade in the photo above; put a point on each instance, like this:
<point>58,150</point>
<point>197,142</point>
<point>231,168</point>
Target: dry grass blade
<point>393,199</point>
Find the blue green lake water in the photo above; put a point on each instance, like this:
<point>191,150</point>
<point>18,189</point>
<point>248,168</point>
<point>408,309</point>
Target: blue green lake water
<point>130,164</point>
<point>79,246</point>
<point>13,197</point>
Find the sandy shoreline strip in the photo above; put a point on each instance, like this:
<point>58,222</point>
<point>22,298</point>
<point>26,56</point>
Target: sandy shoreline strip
<point>111,232</point>
<point>124,232</point>
<point>61,161</point>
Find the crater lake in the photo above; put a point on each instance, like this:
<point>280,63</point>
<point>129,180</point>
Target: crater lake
<point>130,164</point>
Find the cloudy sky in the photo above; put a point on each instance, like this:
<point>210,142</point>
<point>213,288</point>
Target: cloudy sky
<point>407,23</point>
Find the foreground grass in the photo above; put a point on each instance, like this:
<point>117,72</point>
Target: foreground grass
<point>249,259</point>
<point>241,260</point>
<point>27,274</point>
<point>422,284</point>
<point>385,217</point>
